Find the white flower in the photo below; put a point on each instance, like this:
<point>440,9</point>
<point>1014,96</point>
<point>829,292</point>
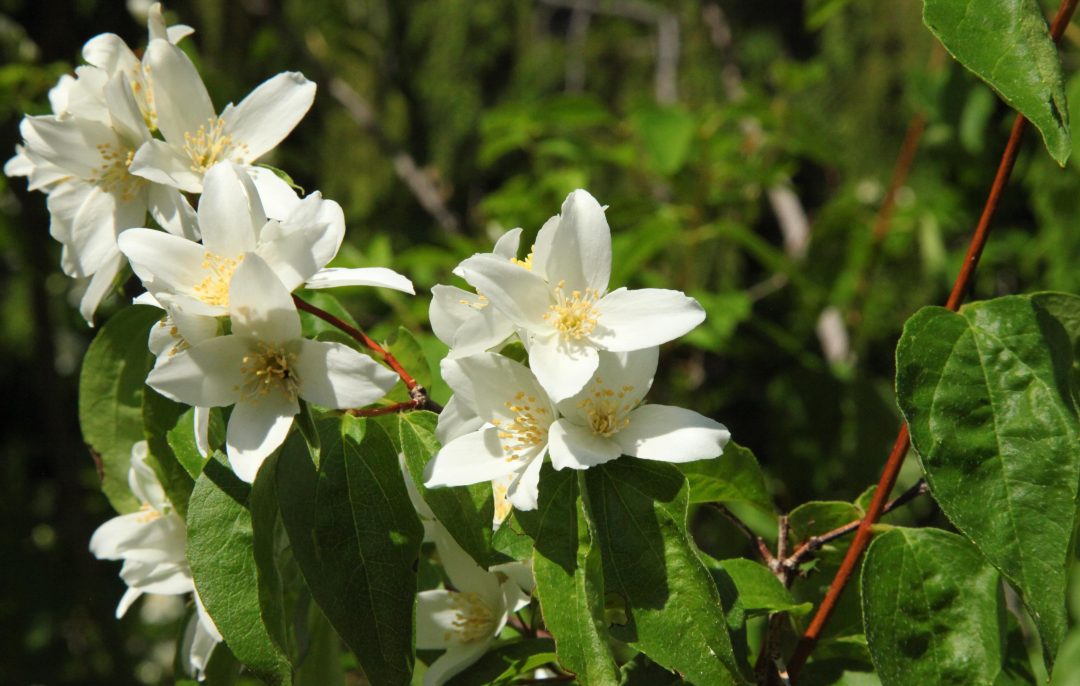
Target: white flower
<point>563,306</point>
<point>466,620</point>
<point>513,439</point>
<point>605,420</point>
<point>264,367</point>
<point>150,541</point>
<point>196,138</point>
<point>232,222</point>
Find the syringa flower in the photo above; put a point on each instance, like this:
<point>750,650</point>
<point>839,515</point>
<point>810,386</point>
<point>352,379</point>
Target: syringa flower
<point>606,419</point>
<point>264,367</point>
<point>512,440</point>
<point>562,306</point>
<point>232,222</point>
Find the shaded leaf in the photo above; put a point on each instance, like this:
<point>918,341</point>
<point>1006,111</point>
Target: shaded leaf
<point>733,477</point>
<point>505,664</point>
<point>759,591</point>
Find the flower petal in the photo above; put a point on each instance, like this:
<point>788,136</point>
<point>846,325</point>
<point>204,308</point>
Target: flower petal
<point>524,491</point>
<point>630,320</point>
<point>507,245</point>
<point>259,305</point>
<point>672,434</point>
<point>542,246</point>
<point>205,375</point>
<point>230,213</point>
<point>171,263</point>
<point>162,163</point>
<point>485,330</point>
<point>519,294</point>
<point>100,285</point>
<point>471,459</point>
<point>580,250</point>
<point>577,447</point>
<point>450,308</point>
<point>109,52</point>
<point>180,98</point>
<point>361,276</point>
<point>454,661</point>
<point>334,375</point>
<point>623,378</point>
<point>278,198</point>
<point>256,428</point>
<point>436,611</point>
<point>563,367</point>
<point>498,382</point>
<point>171,210</point>
<point>201,416</point>
<point>269,113</point>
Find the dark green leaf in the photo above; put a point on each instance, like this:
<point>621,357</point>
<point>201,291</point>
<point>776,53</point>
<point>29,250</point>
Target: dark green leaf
<point>181,440</point>
<point>933,608</point>
<point>273,558</point>
<point>504,665</point>
<point>570,579</point>
<point>986,395</point>
<point>733,477</point>
<point>111,397</point>
<point>160,415</point>
<point>759,591</point>
<point>1006,43</point>
<point>676,617</point>
<point>1067,668</point>
<point>221,552</point>
<point>356,537</point>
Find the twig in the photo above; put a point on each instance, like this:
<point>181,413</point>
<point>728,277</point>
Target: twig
<point>385,409</point>
<point>759,542</point>
<point>417,393</point>
<point>896,458</point>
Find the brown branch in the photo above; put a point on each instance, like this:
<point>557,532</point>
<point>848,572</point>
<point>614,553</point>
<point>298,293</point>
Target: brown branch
<point>385,409</point>
<point>759,542</point>
<point>896,457</point>
<point>417,393</point>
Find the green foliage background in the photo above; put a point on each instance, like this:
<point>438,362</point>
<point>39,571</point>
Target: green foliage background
<point>505,106</point>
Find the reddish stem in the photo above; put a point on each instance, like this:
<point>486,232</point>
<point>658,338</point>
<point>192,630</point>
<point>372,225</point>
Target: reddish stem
<point>385,409</point>
<point>896,457</point>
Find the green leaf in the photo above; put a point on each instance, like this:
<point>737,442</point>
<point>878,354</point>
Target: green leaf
<point>676,617</point>
<point>666,134</point>
<point>311,325</point>
<point>1006,43</point>
<point>505,664</point>
<point>159,417</point>
<point>569,578</point>
<point>274,563</point>
<point>733,477</point>
<point>933,609</point>
<point>111,397</point>
<point>356,537</point>
<point>759,591</point>
<point>321,662</point>
<point>987,399</point>
<point>221,552</point>
<point>465,511</point>
<point>821,516</point>
<point>1067,669</point>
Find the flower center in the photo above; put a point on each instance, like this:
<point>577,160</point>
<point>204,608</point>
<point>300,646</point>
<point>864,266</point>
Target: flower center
<point>606,409</point>
<point>526,430</point>
<point>266,368</point>
<point>147,514</point>
<point>112,176</point>
<point>502,501</point>
<point>527,262</point>
<point>214,289</point>
<point>480,303</point>
<point>573,316</point>
<point>210,145</point>
<point>473,619</point>
<point>144,95</point>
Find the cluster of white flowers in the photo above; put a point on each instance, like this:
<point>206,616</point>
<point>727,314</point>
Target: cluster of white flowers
<point>592,358</point>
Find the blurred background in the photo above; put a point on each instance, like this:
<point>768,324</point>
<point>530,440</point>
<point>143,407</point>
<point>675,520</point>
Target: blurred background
<point>745,149</point>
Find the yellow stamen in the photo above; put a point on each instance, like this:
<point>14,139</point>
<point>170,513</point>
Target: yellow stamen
<point>473,619</point>
<point>214,289</point>
<point>113,176</point>
<point>210,145</point>
<point>525,431</point>
<point>573,316</point>
<point>267,368</point>
<point>606,410</point>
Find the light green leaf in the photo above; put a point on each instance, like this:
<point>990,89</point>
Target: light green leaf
<point>221,552</point>
<point>987,399</point>
<point>569,578</point>
<point>676,618</point>
<point>733,477</point>
<point>181,440</point>
<point>1067,669</point>
<point>111,397</point>
<point>465,511</point>
<point>356,537</point>
<point>274,563</point>
<point>759,591</point>
<point>160,415</point>
<point>1006,43</point>
<point>507,664</point>
<point>666,134</point>
<point>933,609</point>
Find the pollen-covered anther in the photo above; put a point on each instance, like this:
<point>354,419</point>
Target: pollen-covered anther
<point>527,262</point>
<point>575,315</point>
<point>268,368</point>
<point>214,289</point>
<point>606,411</point>
<point>210,145</point>
<point>113,176</point>
<point>147,513</point>
<point>473,619</point>
<point>525,431</point>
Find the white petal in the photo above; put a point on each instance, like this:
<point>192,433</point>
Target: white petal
<point>456,420</point>
<point>290,256</point>
<point>672,434</point>
<point>278,198</point>
<point>334,375</point>
<point>172,263</point>
<point>453,662</point>
<point>171,210</point>
<point>524,491</point>
<point>563,367</point>
<point>162,163</point>
<point>124,113</point>
<point>230,214</point>
<point>100,285</point>
<point>70,144</point>
<point>519,294</point>
<point>205,375</point>
<point>177,33</point>
<point>256,429</point>
<point>580,250</point>
<point>94,229</point>
<point>485,330</point>
<point>269,113</point>
<point>126,601</point>
<point>630,320</point>
<point>166,578</point>
<point>202,430</point>
<point>361,276</point>
<point>313,212</point>
<point>110,53</point>
<point>623,378</point>
<point>180,98</point>
<point>259,305</point>
<point>143,481</point>
<point>542,247</point>
<point>507,245</point>
<point>450,308</point>
<point>465,574</point>
<point>498,381</point>
<point>471,459</point>
<point>577,447</point>
<point>436,611</point>
<point>20,164</point>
